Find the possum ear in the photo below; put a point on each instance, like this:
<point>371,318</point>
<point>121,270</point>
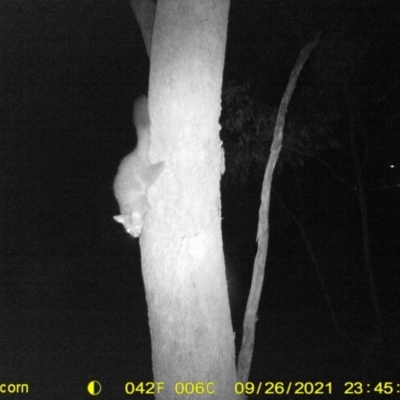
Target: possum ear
<point>119,218</point>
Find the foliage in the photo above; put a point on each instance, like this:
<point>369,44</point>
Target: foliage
<point>247,131</point>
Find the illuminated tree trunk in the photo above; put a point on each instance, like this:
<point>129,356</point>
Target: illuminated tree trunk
<point>181,243</point>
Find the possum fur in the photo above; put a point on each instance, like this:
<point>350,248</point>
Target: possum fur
<point>136,174</point>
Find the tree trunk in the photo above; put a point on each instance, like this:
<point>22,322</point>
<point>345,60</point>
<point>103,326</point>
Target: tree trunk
<point>362,200</point>
<point>250,317</point>
<point>181,243</point>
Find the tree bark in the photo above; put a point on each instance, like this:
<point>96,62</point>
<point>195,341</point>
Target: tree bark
<point>181,243</point>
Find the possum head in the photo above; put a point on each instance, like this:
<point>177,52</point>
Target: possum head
<point>132,222</point>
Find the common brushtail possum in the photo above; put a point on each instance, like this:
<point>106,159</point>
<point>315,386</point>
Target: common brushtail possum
<point>136,174</point>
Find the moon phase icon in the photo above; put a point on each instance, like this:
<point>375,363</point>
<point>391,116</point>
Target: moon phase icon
<point>94,388</point>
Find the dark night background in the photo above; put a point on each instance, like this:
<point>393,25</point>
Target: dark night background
<point>72,301</point>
